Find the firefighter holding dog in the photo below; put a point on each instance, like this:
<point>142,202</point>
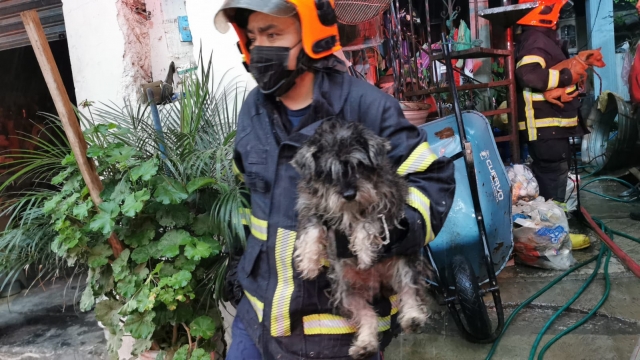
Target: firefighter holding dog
<point>545,126</point>
<point>289,46</point>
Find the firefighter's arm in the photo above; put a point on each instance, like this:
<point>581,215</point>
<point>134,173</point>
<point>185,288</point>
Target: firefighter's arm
<point>532,72</point>
<point>431,182</point>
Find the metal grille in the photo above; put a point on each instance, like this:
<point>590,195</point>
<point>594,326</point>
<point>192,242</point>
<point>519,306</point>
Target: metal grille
<point>353,12</point>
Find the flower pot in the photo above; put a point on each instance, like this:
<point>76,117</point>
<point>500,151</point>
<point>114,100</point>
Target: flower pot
<point>415,112</point>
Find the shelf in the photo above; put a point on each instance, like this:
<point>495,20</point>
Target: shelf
<point>475,53</point>
<point>507,16</point>
<point>505,138</point>
<point>489,85</point>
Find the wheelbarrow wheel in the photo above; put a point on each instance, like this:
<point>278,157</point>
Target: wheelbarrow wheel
<point>472,304</point>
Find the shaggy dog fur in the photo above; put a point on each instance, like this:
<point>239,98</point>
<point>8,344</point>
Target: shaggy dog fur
<point>348,184</point>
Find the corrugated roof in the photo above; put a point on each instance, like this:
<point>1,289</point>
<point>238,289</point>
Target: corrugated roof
<point>12,33</point>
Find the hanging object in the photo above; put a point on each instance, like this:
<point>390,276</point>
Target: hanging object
<point>353,12</point>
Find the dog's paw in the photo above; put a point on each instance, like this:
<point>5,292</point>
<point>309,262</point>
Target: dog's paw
<point>364,348</point>
<point>413,322</point>
<point>308,268</point>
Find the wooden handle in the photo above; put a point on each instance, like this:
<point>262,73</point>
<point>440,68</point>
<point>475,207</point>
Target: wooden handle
<point>67,115</point>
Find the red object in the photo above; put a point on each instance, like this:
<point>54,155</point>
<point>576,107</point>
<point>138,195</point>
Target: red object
<point>634,79</point>
<point>545,15</point>
<point>619,253</point>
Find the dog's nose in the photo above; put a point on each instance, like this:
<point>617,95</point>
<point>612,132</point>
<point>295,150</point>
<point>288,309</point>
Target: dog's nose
<point>349,194</point>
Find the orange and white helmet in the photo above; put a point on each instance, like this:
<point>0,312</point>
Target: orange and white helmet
<point>317,20</point>
<point>546,14</point>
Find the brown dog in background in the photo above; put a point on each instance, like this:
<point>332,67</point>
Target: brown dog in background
<point>578,66</point>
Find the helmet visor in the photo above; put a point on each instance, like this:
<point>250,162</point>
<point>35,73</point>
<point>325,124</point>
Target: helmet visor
<point>226,14</point>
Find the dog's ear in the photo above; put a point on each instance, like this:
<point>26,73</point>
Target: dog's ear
<point>377,149</point>
<point>304,162</point>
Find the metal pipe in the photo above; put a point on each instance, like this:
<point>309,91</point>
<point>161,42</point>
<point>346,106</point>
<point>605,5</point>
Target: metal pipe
<point>399,34</point>
<point>155,115</point>
<point>511,71</point>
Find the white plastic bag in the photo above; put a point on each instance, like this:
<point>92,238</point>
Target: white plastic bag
<point>524,186</point>
<point>541,237</point>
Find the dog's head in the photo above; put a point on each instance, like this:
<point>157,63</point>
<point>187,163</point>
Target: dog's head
<point>593,58</point>
<point>339,163</point>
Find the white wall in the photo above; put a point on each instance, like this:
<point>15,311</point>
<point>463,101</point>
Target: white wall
<point>227,61</point>
<point>96,49</point>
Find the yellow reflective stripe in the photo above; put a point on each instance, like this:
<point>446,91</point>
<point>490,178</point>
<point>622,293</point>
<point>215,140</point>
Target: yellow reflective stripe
<point>421,203</point>
<point>528,110</point>
<point>245,215</point>
<point>259,228</point>
<point>257,305</point>
<point>554,79</point>
<point>325,262</point>
<point>532,59</point>
<point>418,161</point>
<point>560,122</point>
<point>522,125</point>
<point>237,172</point>
<point>280,318</point>
<point>327,324</point>
<point>395,301</point>
<point>540,97</point>
<point>384,323</point>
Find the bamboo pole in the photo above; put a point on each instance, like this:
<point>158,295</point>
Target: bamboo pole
<point>67,115</point>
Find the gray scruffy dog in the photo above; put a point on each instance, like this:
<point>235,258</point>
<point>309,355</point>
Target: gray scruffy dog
<point>348,184</point>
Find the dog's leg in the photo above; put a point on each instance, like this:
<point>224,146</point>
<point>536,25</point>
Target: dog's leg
<point>365,343</point>
<point>310,248</point>
<point>412,310</point>
<point>365,243</point>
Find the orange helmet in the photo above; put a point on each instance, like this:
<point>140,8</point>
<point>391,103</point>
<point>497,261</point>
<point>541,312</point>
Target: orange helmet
<point>546,14</point>
<point>317,20</point>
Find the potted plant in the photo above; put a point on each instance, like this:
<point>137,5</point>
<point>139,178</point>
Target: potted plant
<point>176,211</point>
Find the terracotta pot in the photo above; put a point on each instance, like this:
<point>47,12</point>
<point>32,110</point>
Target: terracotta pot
<point>415,112</point>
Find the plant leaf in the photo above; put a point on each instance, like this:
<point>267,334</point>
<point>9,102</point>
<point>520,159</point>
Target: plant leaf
<point>199,183</point>
<point>140,346</point>
<point>146,170</point>
<point>81,211</point>
<point>140,325</point>
<point>119,266</point>
<point>52,204</point>
<point>95,151</point>
<point>197,251</point>
<point>213,243</point>
<point>144,253</point>
<point>174,215</point>
<point>98,255</point>
<point>169,244</point>
<point>199,354</point>
<point>103,221</point>
<point>183,263</point>
<point>170,191</point>
<point>178,280</point>
<point>127,286</point>
<point>142,235</point>
<point>134,202</point>
<point>121,192</point>
<point>107,313</point>
<point>114,342</point>
<point>87,300</point>
<point>120,154</point>
<point>182,353</point>
<point>202,225</point>
<point>203,326</point>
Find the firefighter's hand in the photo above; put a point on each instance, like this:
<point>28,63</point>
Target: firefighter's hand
<point>232,291</point>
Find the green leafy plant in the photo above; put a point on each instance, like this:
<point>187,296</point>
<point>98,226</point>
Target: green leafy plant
<point>177,213</point>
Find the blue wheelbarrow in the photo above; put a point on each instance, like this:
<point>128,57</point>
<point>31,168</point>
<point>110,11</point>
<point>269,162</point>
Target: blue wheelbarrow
<point>476,240</point>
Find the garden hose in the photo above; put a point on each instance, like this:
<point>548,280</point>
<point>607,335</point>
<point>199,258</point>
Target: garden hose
<point>604,251</point>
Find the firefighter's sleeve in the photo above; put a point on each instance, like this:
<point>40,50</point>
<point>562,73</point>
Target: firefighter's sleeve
<point>532,72</point>
<point>431,180</point>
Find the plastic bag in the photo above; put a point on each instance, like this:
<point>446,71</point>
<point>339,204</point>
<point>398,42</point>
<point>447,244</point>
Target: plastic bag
<point>524,186</point>
<point>541,237</point>
<point>571,198</point>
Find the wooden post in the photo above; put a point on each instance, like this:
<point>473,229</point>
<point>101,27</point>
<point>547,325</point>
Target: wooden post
<point>67,115</point>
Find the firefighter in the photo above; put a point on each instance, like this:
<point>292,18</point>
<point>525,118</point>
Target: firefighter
<point>288,47</point>
<point>545,126</point>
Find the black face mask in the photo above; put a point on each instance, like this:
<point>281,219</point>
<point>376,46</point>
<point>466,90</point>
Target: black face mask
<point>269,66</point>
